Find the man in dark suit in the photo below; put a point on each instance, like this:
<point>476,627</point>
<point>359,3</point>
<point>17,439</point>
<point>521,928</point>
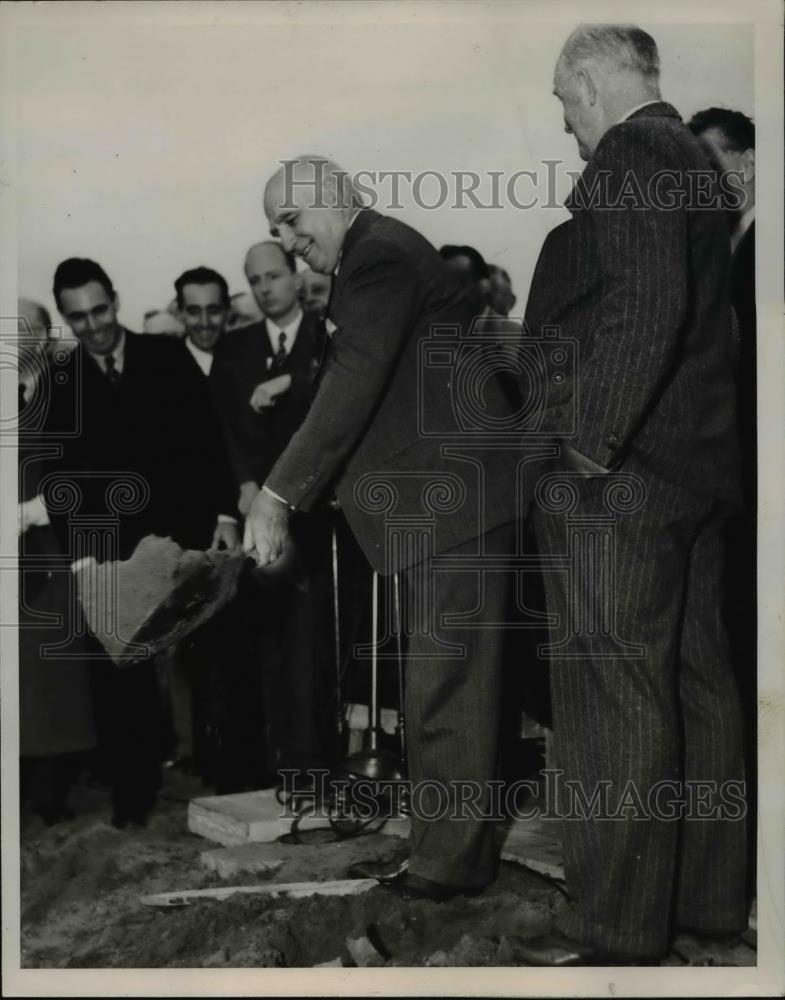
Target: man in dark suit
<point>147,460</point>
<point>639,278</point>
<point>728,138</point>
<point>56,726</point>
<point>219,691</point>
<point>375,434</point>
<point>263,373</point>
<point>262,381</point>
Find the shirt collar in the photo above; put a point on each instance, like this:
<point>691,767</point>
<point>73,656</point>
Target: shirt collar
<point>631,112</point>
<point>340,252</point>
<point>118,354</point>
<point>203,358</point>
<point>273,330</point>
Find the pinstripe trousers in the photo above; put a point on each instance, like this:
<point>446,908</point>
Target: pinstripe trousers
<point>668,714</point>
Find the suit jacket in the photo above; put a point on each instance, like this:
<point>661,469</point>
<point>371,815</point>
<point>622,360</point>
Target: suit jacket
<point>743,294</point>
<point>156,423</point>
<point>380,416</point>
<point>645,293</point>
<point>243,359</point>
<point>55,704</point>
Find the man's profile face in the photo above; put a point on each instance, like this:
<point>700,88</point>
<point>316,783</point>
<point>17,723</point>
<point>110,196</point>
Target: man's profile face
<point>91,313</point>
<point>578,117</point>
<point>313,233</point>
<point>724,158</point>
<point>205,313</point>
<point>315,292</point>
<point>273,284</point>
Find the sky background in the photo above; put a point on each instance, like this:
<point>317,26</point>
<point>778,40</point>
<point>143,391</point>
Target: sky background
<point>143,141</point>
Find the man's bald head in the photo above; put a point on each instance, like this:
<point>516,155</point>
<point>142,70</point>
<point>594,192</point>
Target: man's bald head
<point>309,203</point>
<point>34,320</point>
<point>272,275</point>
<point>267,249</point>
<point>603,71</point>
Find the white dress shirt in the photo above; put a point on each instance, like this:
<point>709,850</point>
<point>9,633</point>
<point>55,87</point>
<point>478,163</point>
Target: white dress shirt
<point>118,354</point>
<point>289,331</point>
<point>203,358</point>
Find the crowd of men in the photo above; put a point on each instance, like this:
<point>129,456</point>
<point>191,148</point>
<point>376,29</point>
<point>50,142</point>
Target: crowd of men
<point>272,413</point>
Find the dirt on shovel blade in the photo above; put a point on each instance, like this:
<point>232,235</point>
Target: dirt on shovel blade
<point>143,604</point>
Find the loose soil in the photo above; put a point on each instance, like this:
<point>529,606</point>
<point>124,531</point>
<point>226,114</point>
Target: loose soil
<point>82,882</point>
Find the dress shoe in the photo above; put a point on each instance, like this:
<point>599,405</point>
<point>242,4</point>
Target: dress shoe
<point>413,887</point>
<point>726,938</point>
<point>384,871</point>
<point>556,951</point>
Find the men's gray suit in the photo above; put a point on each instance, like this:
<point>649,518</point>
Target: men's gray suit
<point>648,697</point>
<point>378,432</point>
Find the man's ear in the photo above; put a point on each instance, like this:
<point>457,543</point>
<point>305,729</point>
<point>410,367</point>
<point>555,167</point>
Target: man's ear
<point>748,165</point>
<point>586,84</point>
<point>116,302</point>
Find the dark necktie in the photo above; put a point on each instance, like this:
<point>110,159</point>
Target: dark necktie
<point>280,355</point>
<point>111,369</point>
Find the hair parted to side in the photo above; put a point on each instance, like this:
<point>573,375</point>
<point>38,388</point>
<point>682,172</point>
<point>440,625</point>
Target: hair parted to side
<point>78,271</point>
<point>624,46</point>
<point>201,276</point>
<point>738,129</point>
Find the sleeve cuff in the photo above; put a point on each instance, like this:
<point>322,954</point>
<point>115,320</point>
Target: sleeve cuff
<point>275,496</point>
<point>226,519</point>
<point>38,506</point>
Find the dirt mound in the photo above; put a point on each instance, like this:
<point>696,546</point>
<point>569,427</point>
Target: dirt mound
<point>82,882</point>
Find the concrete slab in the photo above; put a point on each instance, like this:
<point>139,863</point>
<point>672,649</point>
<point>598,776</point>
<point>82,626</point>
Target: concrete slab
<point>258,817</point>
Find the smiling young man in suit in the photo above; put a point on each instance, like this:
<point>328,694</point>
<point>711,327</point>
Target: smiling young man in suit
<point>639,277</point>
<point>367,437</point>
<point>147,460</point>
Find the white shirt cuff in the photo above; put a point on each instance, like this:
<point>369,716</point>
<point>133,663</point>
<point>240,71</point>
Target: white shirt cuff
<point>37,508</point>
<point>275,496</point>
<point>226,519</point>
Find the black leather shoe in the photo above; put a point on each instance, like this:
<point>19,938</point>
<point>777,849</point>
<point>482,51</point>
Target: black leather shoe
<point>727,938</point>
<point>556,951</point>
<point>412,887</point>
<point>384,871</point>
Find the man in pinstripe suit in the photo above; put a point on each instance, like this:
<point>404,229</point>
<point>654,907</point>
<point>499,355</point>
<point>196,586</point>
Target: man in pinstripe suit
<point>638,276</point>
